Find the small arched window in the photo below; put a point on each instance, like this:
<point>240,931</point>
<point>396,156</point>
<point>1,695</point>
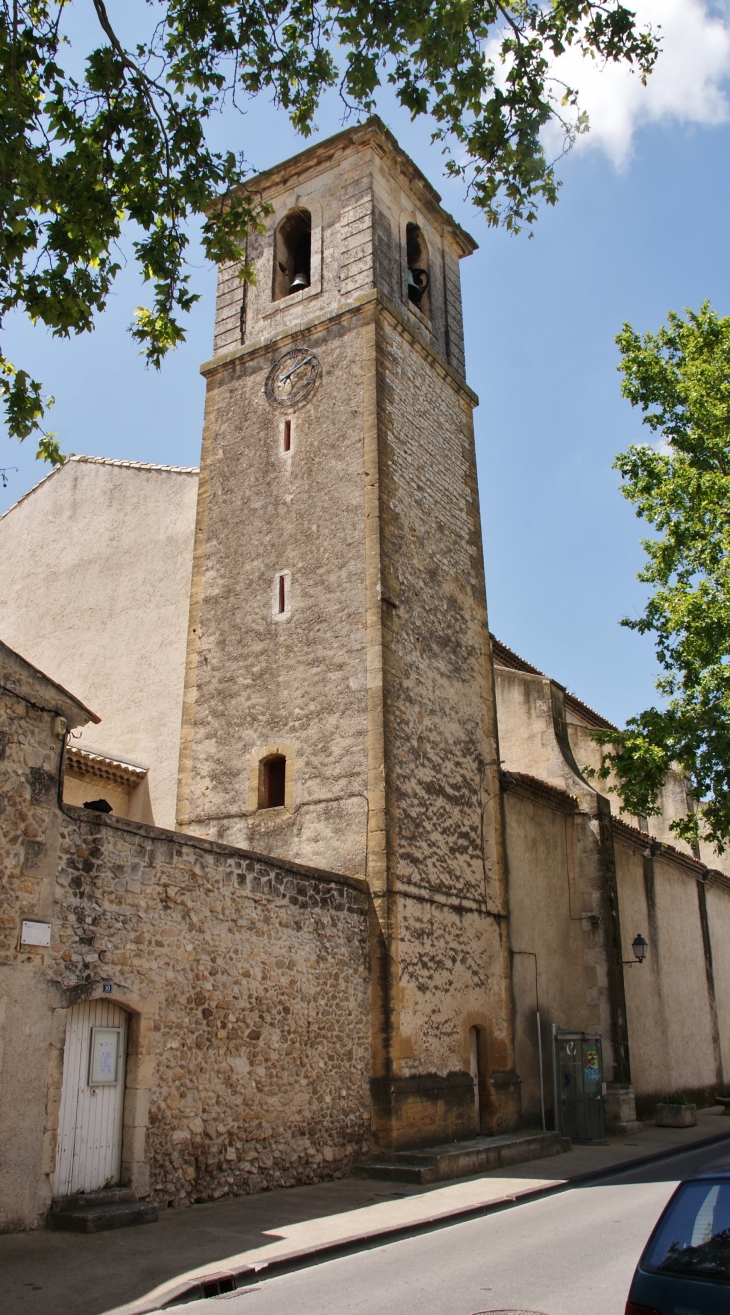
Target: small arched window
<point>418,271</point>
<point>272,781</point>
<point>292,254</point>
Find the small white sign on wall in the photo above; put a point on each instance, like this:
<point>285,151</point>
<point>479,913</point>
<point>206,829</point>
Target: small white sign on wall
<point>104,1056</point>
<point>35,933</point>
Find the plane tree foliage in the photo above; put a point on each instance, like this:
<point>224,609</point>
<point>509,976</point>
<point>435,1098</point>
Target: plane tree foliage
<point>680,485</point>
<point>119,132</point>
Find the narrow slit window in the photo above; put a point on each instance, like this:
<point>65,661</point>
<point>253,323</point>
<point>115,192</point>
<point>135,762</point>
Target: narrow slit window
<point>272,784</point>
<point>281,596</point>
<point>287,435</point>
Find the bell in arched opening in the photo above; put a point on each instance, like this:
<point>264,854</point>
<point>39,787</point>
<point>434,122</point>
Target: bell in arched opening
<point>418,271</point>
<point>292,254</point>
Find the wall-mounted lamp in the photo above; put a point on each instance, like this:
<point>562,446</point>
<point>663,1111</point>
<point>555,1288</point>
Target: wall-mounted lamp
<point>640,947</point>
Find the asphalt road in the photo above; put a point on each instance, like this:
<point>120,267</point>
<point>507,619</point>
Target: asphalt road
<point>568,1254</point>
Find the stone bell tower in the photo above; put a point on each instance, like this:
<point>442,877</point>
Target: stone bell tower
<point>339,707</point>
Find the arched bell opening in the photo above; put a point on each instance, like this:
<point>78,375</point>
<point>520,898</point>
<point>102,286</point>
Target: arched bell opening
<point>418,269</point>
<point>292,254</point>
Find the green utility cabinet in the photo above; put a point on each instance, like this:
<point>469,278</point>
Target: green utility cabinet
<point>578,1087</point>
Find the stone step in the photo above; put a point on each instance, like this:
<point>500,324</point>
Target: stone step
<point>104,1196</point>
<point>387,1172</point>
<point>100,1218</point>
<point>438,1164</point>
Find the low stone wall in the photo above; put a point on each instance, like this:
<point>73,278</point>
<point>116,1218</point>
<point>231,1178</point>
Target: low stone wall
<point>246,980</point>
<point>260,971</point>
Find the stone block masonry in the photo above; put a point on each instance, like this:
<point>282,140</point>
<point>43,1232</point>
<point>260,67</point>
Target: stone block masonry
<point>376,686</point>
<point>246,981</point>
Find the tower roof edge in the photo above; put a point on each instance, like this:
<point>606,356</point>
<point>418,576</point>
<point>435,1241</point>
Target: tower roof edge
<point>372,129</point>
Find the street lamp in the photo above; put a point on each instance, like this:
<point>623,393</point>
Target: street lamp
<point>640,947</point>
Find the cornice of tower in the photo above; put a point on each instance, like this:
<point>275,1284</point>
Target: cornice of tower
<point>373,132</point>
<point>374,299</point>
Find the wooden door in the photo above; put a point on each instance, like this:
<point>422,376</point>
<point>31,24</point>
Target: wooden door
<point>89,1149</point>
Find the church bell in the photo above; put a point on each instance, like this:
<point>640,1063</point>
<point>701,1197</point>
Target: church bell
<point>298,282</point>
<point>417,284</point>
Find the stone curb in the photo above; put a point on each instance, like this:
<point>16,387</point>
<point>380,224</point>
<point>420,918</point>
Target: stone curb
<point>299,1259</point>
<point>640,1160</point>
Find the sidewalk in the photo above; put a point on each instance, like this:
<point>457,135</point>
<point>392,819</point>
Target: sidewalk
<point>135,1270</point>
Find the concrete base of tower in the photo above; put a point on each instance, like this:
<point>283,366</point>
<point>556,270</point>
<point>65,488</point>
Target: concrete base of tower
<point>423,1110</point>
<point>506,1104</point>
<point>431,1108</point>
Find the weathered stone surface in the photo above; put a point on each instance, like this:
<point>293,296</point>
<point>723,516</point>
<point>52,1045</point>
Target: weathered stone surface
<point>675,1116</point>
<point>246,976</point>
<point>260,1048</point>
<point>247,979</point>
<point>375,683</point>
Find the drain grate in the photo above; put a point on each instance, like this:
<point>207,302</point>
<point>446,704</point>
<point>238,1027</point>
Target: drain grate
<point>216,1286</point>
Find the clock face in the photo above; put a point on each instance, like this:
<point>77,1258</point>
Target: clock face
<point>292,378</point>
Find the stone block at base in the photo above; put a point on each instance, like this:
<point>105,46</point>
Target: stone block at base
<point>620,1104</point>
<point>628,1128</point>
<point>97,1212</point>
<point>438,1164</point>
<point>675,1116</point>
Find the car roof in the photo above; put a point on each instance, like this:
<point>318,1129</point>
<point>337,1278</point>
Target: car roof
<point>721,1169</point>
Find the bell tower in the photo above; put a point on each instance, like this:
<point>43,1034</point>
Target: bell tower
<point>339,707</point>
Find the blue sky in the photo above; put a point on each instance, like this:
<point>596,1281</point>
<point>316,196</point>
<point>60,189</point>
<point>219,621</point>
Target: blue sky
<point>641,227</point>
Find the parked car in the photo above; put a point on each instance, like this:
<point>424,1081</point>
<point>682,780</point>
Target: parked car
<point>685,1268</point>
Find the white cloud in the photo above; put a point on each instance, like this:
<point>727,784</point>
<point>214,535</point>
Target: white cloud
<point>688,85</point>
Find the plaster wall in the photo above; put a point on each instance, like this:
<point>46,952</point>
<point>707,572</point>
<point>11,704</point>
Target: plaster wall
<point>77,790</point>
<point>246,981</point>
<point>676,1001</point>
<point>673,801</point>
<point>541,736</point>
<point>718,911</point>
<point>556,933</point>
<point>587,755</point>
<point>708,854</point>
<point>669,1008</point>
<point>97,579</point>
<point>528,709</point>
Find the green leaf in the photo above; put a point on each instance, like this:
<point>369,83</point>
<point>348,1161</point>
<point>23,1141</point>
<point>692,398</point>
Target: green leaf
<point>127,140</point>
<point>680,380</point>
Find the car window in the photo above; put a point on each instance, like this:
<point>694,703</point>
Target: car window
<point>693,1238</point>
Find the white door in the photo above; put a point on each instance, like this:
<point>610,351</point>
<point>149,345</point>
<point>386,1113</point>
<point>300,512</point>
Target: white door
<point>89,1149</point>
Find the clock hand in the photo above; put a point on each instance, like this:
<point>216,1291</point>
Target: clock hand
<point>283,378</point>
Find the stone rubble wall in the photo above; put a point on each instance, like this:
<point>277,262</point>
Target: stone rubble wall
<point>261,1042</point>
<point>252,975</point>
